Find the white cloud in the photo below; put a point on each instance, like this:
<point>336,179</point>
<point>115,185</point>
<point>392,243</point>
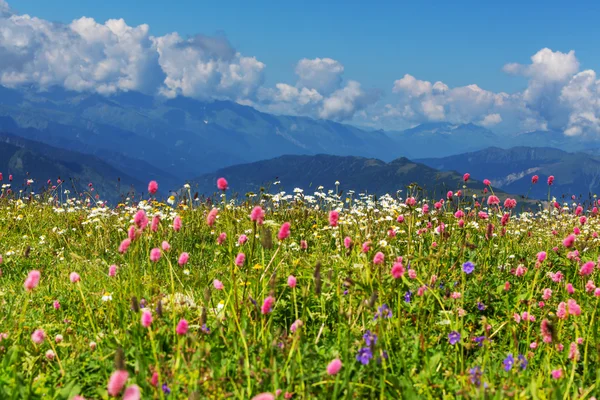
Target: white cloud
<point>4,8</point>
<point>206,69</point>
<point>322,74</point>
<point>319,92</point>
<point>557,97</point>
<point>491,120</point>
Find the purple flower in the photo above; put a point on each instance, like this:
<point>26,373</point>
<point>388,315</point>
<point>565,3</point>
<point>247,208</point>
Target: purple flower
<point>407,296</point>
<point>522,361</point>
<point>508,362</point>
<point>364,355</point>
<point>370,338</point>
<point>453,337</point>
<point>480,306</point>
<point>475,376</point>
<point>166,389</point>
<point>384,311</point>
<point>468,267</point>
<point>479,340</point>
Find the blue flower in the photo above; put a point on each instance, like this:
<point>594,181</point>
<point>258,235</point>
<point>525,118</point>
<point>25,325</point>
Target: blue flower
<point>364,355</point>
<point>522,361</point>
<point>479,340</point>
<point>370,338</point>
<point>166,389</point>
<point>508,362</point>
<point>384,311</point>
<point>475,376</point>
<point>453,337</point>
<point>468,267</point>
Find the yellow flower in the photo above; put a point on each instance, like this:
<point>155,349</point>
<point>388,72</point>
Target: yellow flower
<point>257,266</point>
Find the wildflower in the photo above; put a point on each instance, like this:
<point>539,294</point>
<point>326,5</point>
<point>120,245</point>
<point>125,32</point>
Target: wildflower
<point>38,336</point>
<point>32,281</point>
<point>177,224</point>
<point>295,325</point>
<point>475,376</point>
<point>379,258</point>
<point>267,306</point>
<point>58,338</point>
<point>347,242</point>
<point>400,219</point>
<point>242,239</point>
<point>211,218</point>
<point>370,338</point>
<point>364,355</point>
<point>453,337</point>
<point>574,352</point>
<point>561,311</point>
<point>116,382</point>
<point>140,220</point>
<point>146,318</point>
<point>284,231</point>
<point>333,218</point>
<point>221,239</point>
<point>557,373</point>
<point>493,200</point>
<point>132,393</point>
<point>468,267</point>
<point>412,274</point>
<point>366,247</point>
<point>534,179</point>
<point>155,223</point>
<point>182,327</point>
<point>397,270</point>
<point>533,345</point>
<point>257,215</point>
<point>384,311</point>
<point>291,281</point>
<point>264,396</point>
<point>487,182</point>
<point>510,203</point>
<point>587,268</point>
<point>590,286</point>
<point>407,296</point>
<point>74,277</point>
<point>165,389</point>
<point>466,177</point>
<point>183,259</point>
<point>222,184</point>
<point>218,284</point>
<point>155,254</point>
<point>550,180</point>
<point>547,331</point>
<point>239,259</point>
<point>480,306</point>
<point>152,187</point>
<point>124,245</point>
<point>573,307</point>
<point>303,245</point>
<point>547,293</point>
<point>165,245</point>
<point>508,362</point>
<point>570,288</point>
<point>541,256</point>
<point>50,355</point>
<point>334,367</point>
<point>522,361</point>
<point>112,270</point>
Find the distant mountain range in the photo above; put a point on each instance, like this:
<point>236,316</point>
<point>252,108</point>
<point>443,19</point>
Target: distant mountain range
<point>174,140</point>
<point>25,159</point>
<point>359,174</point>
<point>511,170</point>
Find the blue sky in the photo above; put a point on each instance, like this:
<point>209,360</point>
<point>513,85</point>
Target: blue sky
<point>458,43</point>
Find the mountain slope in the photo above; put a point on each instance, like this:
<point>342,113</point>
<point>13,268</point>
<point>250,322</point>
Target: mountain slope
<point>354,173</point>
<point>442,139</point>
<point>25,159</point>
<point>511,169</point>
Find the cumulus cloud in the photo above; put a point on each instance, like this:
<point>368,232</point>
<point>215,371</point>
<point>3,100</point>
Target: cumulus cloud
<point>321,74</point>
<point>319,91</point>
<point>557,97</point>
<point>109,57</point>
<point>206,68</point>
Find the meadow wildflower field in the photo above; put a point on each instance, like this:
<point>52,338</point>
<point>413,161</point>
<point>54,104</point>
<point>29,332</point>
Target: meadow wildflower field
<point>298,296</point>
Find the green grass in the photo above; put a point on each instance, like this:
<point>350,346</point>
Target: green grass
<point>233,350</point>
